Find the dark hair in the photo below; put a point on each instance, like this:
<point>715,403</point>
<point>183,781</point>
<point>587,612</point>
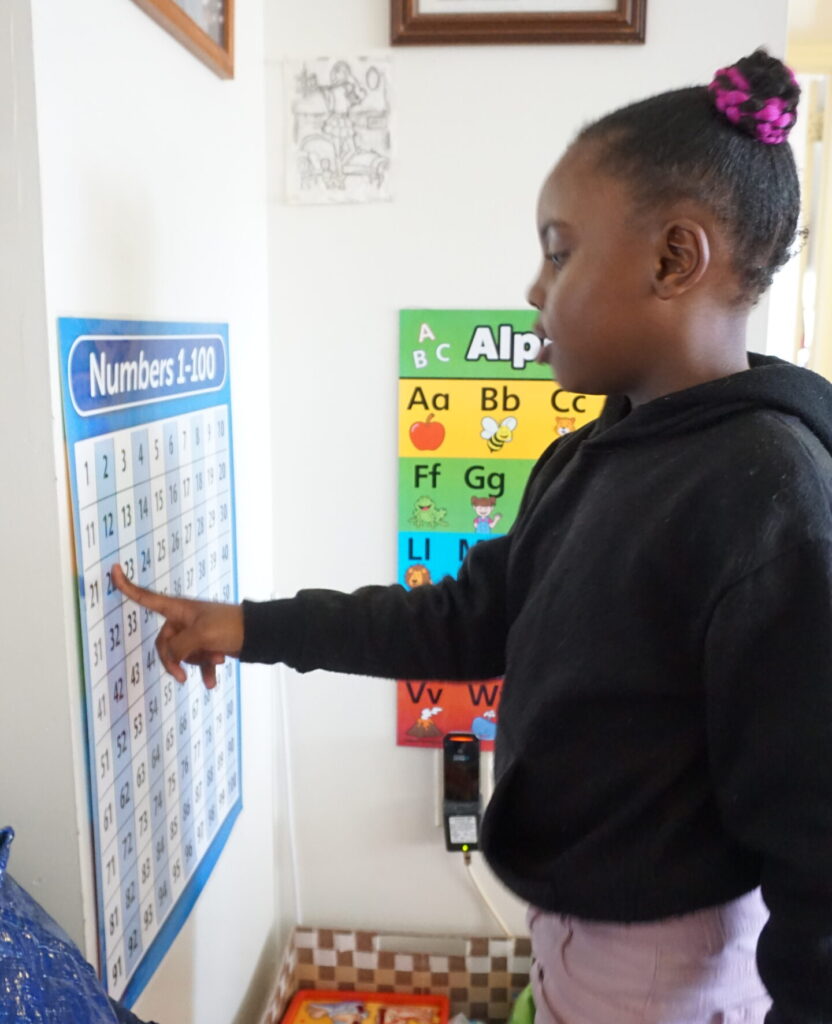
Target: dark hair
<point>678,145</point>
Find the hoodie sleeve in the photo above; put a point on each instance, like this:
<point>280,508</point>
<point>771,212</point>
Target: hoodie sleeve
<point>768,671</point>
<point>455,629</point>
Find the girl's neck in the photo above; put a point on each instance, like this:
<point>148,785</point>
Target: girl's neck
<point>692,361</point>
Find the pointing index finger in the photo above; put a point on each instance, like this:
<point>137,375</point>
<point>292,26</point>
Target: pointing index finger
<point>146,598</point>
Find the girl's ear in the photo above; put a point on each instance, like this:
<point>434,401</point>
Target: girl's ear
<point>684,255</point>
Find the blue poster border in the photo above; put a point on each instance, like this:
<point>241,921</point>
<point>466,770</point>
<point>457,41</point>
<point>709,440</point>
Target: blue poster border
<point>80,428</point>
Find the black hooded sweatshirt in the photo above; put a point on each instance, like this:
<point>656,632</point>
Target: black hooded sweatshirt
<point>662,614</point>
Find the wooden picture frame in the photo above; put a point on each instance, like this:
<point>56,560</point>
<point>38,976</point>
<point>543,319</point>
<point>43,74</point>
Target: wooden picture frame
<point>171,15</point>
<point>421,22</point>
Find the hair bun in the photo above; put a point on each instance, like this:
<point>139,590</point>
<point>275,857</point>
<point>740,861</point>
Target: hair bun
<point>759,96</point>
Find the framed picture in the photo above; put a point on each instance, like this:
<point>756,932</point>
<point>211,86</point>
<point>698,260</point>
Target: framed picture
<point>425,22</point>
<point>205,27</point>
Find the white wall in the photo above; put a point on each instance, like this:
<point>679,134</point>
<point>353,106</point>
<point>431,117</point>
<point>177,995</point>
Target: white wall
<point>34,681</point>
<point>152,183</point>
<point>477,129</point>
<point>810,52</point>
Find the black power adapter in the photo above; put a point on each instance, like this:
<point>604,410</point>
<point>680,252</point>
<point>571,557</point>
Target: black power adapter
<point>462,805</point>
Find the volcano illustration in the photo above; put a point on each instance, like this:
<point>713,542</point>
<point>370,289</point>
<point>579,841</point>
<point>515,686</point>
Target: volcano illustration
<point>423,729</point>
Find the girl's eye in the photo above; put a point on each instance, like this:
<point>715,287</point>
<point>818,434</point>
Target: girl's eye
<point>558,258</point>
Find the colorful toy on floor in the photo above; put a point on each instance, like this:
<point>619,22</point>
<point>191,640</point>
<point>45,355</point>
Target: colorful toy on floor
<point>314,1006</point>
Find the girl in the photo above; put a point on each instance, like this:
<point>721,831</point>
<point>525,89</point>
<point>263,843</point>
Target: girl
<point>661,608</point>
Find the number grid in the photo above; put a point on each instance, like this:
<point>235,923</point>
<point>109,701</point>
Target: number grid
<point>164,757</point>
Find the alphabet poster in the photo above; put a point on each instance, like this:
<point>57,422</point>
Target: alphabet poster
<point>475,413</point>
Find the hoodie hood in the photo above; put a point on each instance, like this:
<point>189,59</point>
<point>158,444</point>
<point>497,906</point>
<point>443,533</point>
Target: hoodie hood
<point>769,383</point>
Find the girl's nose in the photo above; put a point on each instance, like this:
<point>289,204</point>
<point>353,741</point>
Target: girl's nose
<point>534,296</point>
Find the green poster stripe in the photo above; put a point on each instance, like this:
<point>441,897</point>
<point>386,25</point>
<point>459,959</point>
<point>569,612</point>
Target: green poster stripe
<point>438,343</point>
<point>450,484</point>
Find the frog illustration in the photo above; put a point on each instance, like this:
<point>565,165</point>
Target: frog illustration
<point>427,513</point>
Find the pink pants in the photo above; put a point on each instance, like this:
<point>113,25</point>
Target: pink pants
<point>695,969</point>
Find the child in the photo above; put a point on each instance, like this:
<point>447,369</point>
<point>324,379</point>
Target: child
<point>484,518</point>
<point>661,608</point>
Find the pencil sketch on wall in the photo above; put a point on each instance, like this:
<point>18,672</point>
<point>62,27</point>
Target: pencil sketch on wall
<point>339,120</point>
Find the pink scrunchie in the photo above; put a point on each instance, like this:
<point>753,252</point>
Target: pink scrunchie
<point>773,120</point>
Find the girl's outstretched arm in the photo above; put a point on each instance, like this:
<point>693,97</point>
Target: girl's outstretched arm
<point>453,630</point>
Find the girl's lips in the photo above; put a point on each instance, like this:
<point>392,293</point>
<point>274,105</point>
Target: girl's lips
<point>544,355</point>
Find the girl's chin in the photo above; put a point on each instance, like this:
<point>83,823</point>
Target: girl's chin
<point>571,378</point>
<point>565,375</point>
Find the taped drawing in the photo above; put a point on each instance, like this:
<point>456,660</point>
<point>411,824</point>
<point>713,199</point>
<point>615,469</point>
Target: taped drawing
<point>339,120</point>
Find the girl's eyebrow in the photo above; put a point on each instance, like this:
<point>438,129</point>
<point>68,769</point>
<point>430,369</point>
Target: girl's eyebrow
<point>552,225</point>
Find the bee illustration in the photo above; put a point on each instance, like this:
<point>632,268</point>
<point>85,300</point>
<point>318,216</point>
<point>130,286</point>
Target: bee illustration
<point>497,434</point>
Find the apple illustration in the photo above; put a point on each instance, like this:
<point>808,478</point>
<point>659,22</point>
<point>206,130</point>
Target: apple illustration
<point>427,435</point>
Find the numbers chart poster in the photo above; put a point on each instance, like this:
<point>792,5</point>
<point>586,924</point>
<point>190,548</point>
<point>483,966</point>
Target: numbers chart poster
<point>475,413</point>
<point>147,418</point>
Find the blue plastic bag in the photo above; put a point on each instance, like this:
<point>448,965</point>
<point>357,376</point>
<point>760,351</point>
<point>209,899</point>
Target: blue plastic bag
<point>43,976</point>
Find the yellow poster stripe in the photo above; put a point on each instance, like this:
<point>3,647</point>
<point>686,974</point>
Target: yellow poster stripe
<point>519,418</point>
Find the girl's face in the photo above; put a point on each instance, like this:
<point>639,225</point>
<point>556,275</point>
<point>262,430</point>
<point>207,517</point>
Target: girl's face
<point>594,289</point>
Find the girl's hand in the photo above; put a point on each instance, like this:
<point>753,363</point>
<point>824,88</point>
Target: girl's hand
<point>196,632</point>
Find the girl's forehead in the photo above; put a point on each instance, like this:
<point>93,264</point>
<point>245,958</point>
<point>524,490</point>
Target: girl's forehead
<point>571,184</point>
<point>577,191</point>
